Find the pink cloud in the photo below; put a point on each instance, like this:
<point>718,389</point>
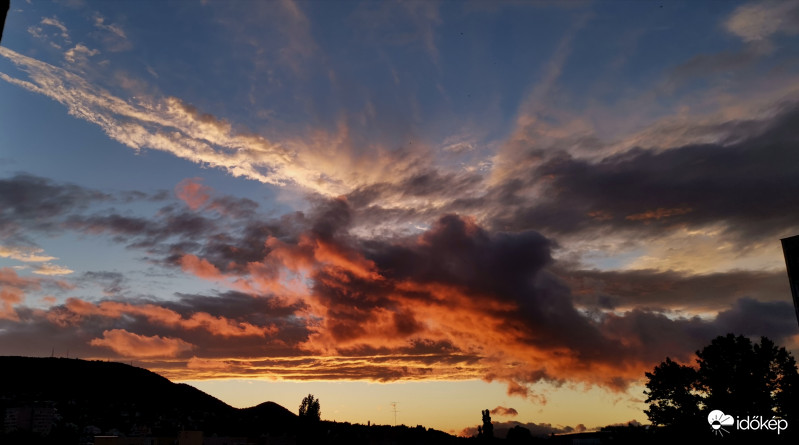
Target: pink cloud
<point>200,267</point>
<point>77,309</point>
<point>128,344</point>
<point>503,411</point>
<point>194,194</point>
<point>9,296</point>
<point>12,291</point>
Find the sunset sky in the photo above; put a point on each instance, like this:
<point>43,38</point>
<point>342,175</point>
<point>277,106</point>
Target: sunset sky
<point>455,206</point>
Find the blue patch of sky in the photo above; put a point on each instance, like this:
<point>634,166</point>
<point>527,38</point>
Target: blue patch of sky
<point>647,51</point>
<point>596,259</point>
<point>85,253</point>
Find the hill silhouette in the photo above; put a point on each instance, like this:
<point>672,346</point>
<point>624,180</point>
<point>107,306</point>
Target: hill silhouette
<point>80,399</point>
<point>114,397</point>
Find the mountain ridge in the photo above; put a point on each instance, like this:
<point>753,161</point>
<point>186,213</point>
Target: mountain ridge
<point>117,397</point>
<point>76,400</point>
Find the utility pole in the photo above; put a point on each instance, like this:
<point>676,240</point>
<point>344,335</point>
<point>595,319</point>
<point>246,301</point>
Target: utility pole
<point>394,406</point>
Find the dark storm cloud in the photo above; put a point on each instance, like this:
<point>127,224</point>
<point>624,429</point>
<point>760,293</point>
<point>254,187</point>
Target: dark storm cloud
<point>40,202</point>
<point>34,336</point>
<point>236,305</point>
<point>235,249</point>
<point>653,335</point>
<point>457,300</point>
<point>485,267</point>
<point>115,224</point>
<point>650,337</point>
<point>112,283</point>
<point>672,290</point>
<point>30,202</point>
<point>234,207</point>
<point>435,183</point>
<point>496,266</point>
<point>144,233</point>
<point>774,319</point>
<point>458,251</point>
<point>228,325</point>
<point>750,186</point>
<point>27,198</point>
<point>493,267</point>
<point>135,195</point>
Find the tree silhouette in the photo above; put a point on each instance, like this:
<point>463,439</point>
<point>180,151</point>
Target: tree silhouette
<point>309,409</point>
<point>487,431</point>
<point>732,374</point>
<point>672,394</point>
<point>747,378</point>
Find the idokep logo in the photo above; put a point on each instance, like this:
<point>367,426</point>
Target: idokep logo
<point>718,420</point>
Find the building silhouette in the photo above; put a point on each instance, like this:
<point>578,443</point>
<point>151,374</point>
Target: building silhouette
<point>790,248</point>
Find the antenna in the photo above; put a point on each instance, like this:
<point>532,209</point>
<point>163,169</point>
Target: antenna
<point>394,406</point>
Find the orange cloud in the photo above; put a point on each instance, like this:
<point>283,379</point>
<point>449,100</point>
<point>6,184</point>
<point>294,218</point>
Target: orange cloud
<point>25,254</point>
<point>600,215</point>
<point>215,325</point>
<point>456,302</point>
<point>658,214</point>
<point>12,288</point>
<point>9,277</point>
<point>377,367</point>
<point>332,255</point>
<point>351,307</point>
<point>200,267</point>
<point>210,366</point>
<point>9,296</point>
<point>128,344</point>
<point>194,194</point>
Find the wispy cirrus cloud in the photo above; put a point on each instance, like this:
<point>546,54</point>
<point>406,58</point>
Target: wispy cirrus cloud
<point>51,269</point>
<point>56,38</point>
<point>324,162</point>
<point>759,21</point>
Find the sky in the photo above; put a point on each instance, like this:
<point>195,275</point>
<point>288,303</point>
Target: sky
<point>453,206</point>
